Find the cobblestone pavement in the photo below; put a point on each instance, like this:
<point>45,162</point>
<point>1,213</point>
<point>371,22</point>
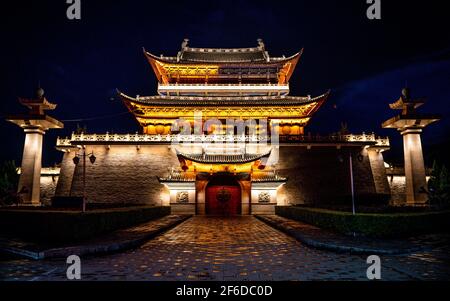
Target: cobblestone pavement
<point>238,248</point>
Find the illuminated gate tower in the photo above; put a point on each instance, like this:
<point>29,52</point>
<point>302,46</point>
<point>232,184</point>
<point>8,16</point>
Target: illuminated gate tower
<point>217,167</point>
<point>244,84</point>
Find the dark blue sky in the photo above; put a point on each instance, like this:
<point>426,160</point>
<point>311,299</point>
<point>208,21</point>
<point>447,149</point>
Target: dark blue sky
<point>365,63</point>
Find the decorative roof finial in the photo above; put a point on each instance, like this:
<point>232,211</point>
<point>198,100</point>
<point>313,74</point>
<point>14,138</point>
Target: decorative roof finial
<point>406,93</point>
<point>39,91</point>
<point>185,43</point>
<point>261,43</point>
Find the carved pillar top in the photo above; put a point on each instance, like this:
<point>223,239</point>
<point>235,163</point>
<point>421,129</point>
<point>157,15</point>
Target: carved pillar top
<point>409,118</point>
<point>36,119</point>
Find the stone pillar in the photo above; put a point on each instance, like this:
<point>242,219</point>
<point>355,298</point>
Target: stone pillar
<point>416,182</point>
<point>246,206</point>
<point>34,123</point>
<point>410,124</point>
<point>200,203</point>
<point>30,176</point>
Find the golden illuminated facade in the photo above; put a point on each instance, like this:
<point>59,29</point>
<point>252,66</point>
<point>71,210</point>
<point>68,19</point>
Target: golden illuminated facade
<point>237,84</point>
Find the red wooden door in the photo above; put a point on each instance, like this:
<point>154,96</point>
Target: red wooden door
<point>223,200</point>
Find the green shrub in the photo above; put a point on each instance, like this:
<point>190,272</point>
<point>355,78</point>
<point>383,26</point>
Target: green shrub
<point>372,225</point>
<point>70,226</point>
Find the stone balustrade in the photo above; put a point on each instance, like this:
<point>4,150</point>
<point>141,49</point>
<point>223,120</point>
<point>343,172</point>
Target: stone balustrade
<point>142,138</point>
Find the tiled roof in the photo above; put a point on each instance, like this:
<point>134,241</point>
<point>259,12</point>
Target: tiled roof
<point>268,177</point>
<point>223,158</point>
<point>177,177</point>
<point>222,101</point>
<point>222,55</point>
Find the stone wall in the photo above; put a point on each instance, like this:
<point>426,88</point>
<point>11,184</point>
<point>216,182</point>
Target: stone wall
<point>322,174</point>
<point>48,188</point>
<point>126,174</point>
<point>121,174</point>
<point>397,185</point>
<point>398,188</point>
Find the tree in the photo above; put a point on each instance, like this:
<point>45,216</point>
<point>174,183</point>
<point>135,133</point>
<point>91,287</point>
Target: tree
<point>434,178</point>
<point>9,180</point>
<point>80,130</point>
<point>444,183</point>
<point>344,129</point>
<point>439,186</point>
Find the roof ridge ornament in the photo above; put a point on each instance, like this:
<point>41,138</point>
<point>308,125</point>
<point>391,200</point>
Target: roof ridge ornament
<point>262,47</point>
<point>184,44</point>
<point>184,47</point>
<point>261,44</point>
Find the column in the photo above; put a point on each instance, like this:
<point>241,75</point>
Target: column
<point>30,177</point>
<point>414,167</point>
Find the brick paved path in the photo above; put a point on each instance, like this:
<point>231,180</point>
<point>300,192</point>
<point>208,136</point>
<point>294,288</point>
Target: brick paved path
<point>239,248</point>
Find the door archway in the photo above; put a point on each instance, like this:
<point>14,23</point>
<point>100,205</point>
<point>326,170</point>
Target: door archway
<point>223,196</point>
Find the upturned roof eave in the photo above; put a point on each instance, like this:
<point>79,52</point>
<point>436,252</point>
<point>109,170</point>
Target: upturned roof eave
<point>192,158</point>
<point>159,100</point>
<point>174,60</point>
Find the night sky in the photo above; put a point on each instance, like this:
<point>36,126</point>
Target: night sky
<point>365,63</point>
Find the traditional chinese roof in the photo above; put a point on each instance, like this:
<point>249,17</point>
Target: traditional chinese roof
<point>225,83</point>
<point>223,158</point>
<point>188,54</point>
<point>222,56</point>
<point>36,118</point>
<point>38,104</point>
<point>178,177</point>
<point>43,103</point>
<point>401,103</point>
<point>166,109</point>
<point>222,101</point>
<point>406,103</point>
<point>223,65</point>
<point>266,177</point>
<point>409,117</point>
